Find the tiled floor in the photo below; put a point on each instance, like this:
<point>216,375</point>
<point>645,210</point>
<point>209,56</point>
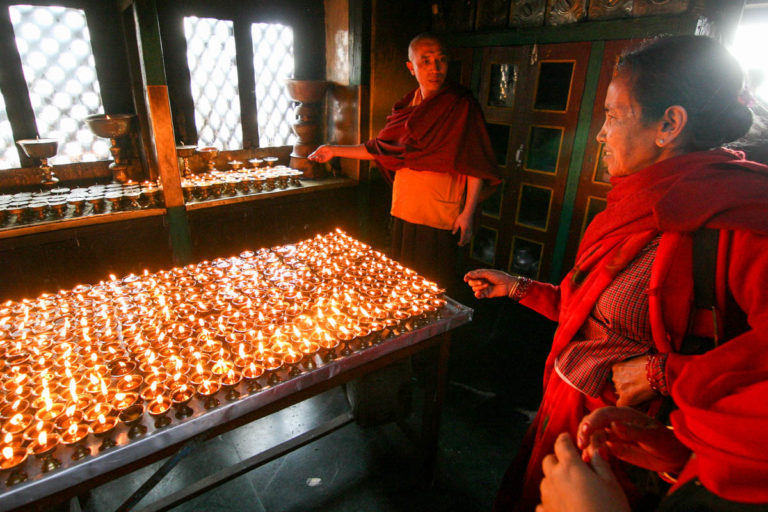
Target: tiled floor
<point>494,375</point>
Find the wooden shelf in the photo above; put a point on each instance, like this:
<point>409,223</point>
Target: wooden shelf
<point>77,222</point>
<point>307,186</point>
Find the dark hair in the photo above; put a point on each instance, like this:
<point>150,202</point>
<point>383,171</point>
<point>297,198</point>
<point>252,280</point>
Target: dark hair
<point>697,73</point>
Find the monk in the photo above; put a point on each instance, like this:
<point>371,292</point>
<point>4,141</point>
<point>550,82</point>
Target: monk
<point>436,145</point>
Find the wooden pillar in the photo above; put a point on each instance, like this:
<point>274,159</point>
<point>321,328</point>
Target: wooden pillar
<point>163,148</point>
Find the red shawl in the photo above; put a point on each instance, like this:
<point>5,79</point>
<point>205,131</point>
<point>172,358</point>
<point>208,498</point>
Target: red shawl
<point>716,189</point>
<point>723,418</point>
<point>444,133</point>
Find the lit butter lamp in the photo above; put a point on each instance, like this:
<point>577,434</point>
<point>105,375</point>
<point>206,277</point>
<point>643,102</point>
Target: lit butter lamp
<point>207,390</point>
<point>13,456</point>
<point>158,408</point>
<point>181,397</point>
<point>229,382</point>
<point>74,436</point>
<point>43,448</point>
<point>251,372</point>
<point>103,428</point>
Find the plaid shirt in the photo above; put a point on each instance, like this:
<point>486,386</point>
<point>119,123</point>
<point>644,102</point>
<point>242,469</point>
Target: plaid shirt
<point>618,328</point>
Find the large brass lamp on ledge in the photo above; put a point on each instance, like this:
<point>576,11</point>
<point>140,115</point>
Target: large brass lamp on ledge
<point>113,127</point>
<point>40,150</point>
<point>309,96</point>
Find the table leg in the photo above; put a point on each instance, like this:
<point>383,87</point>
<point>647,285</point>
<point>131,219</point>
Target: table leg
<point>152,481</point>
<point>433,405</point>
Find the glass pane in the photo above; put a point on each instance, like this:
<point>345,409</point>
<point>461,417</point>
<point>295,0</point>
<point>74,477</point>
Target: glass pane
<point>55,49</point>
<point>543,149</point>
<point>526,258</point>
<point>499,135</point>
<point>554,86</point>
<point>213,73</point>
<point>492,205</point>
<point>594,206</point>
<point>9,156</point>
<point>601,171</point>
<point>273,63</point>
<point>533,209</point>
<point>501,92</point>
<point>484,245</point>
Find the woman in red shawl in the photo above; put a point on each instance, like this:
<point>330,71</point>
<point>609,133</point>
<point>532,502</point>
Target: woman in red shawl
<point>626,306</point>
<point>718,444</point>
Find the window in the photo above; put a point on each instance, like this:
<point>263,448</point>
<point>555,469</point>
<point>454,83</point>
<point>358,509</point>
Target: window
<point>59,70</point>
<point>212,64</point>
<point>749,48</point>
<point>9,157</point>
<point>213,72</point>
<point>273,58</point>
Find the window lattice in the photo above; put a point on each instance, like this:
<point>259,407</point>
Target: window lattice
<point>59,68</point>
<point>213,71</point>
<point>273,63</point>
<point>9,157</point>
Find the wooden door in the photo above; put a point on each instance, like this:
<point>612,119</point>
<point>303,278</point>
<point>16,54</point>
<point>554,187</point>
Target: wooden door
<point>519,227</point>
<point>594,182</point>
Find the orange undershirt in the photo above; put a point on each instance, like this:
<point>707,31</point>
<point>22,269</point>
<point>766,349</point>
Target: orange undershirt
<point>432,199</point>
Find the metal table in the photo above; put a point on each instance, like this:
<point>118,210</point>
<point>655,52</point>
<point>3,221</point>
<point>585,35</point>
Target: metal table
<point>75,478</point>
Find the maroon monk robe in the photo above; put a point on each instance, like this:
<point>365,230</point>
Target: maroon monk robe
<point>444,133</point>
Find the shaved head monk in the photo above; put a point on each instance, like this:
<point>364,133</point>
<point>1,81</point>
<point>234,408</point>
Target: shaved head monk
<point>436,152</point>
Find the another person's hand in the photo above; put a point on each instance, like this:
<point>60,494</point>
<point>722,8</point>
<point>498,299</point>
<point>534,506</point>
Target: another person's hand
<point>631,382</point>
<point>322,154</point>
<point>633,437</point>
<point>487,283</point>
<point>463,224</point>
<point>570,485</point>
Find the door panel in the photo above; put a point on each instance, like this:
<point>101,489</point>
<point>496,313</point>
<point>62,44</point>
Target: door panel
<point>594,181</point>
<point>536,92</point>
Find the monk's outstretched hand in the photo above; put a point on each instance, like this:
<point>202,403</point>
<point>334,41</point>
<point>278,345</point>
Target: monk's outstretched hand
<point>322,154</point>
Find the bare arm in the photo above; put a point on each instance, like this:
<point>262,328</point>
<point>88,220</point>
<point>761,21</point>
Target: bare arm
<point>463,222</point>
<point>328,151</point>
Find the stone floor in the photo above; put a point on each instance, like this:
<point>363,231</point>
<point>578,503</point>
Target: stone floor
<point>494,381</point>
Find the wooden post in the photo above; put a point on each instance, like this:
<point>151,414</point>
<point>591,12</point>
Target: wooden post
<point>163,149</point>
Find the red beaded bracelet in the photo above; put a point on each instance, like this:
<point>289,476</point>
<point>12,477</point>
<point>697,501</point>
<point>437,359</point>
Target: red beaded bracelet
<point>654,372</point>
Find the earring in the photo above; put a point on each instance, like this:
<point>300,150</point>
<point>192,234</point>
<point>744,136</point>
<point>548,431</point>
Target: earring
<point>660,142</point>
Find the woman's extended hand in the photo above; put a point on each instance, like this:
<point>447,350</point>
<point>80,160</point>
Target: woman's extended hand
<point>631,382</point>
<point>570,485</point>
<point>633,437</point>
<point>322,154</point>
<point>487,283</point>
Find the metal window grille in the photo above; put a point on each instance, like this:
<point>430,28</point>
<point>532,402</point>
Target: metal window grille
<point>213,72</point>
<point>9,157</point>
<point>60,71</point>
<point>273,63</point>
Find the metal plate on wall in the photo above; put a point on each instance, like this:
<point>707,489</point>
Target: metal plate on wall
<point>655,7</point>
<point>527,13</point>
<point>608,9</point>
<point>564,12</point>
<point>492,13</point>
<point>458,15</point>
